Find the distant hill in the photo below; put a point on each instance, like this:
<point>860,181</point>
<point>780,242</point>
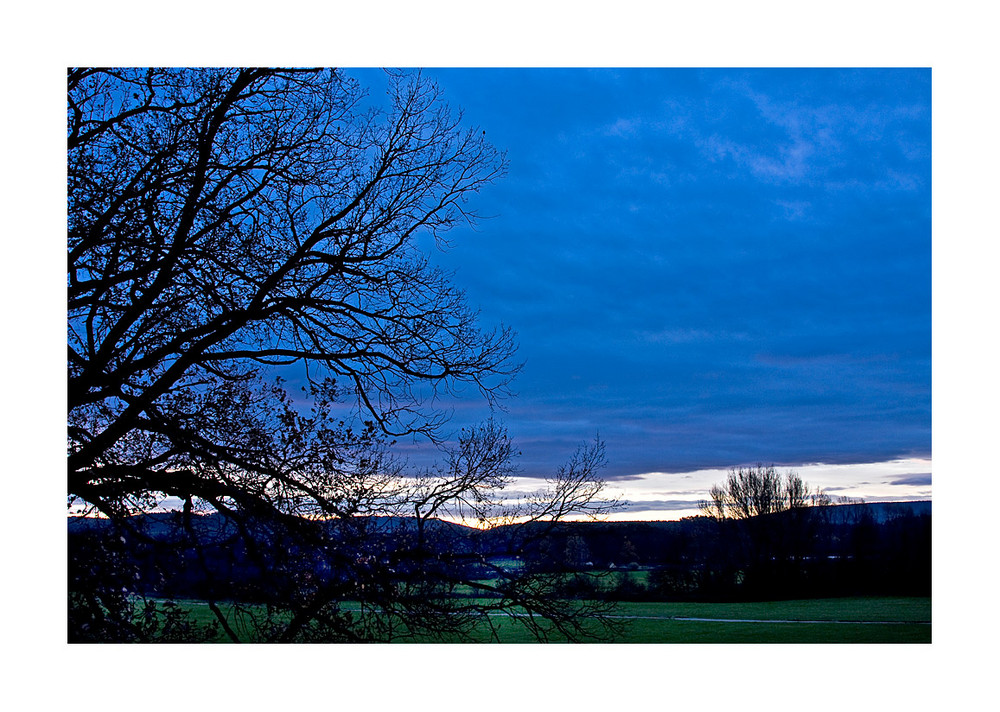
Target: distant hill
<point>168,524</point>
<point>880,511</point>
<point>855,549</point>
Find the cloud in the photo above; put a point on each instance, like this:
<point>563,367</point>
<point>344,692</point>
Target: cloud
<point>707,266</point>
<point>918,480</point>
<point>661,505</point>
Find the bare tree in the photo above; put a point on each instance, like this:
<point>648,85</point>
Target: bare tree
<point>577,554</point>
<point>758,490</point>
<point>226,222</point>
<point>745,505</point>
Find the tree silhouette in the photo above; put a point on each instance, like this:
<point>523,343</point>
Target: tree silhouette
<point>760,490</point>
<point>628,554</point>
<point>223,223</point>
<point>577,553</point>
<point>767,524</point>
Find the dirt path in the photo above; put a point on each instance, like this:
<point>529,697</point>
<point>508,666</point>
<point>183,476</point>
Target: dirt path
<point>728,620</point>
<point>704,620</point>
<point>767,620</point>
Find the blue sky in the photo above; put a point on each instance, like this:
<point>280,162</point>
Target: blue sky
<point>707,267</point>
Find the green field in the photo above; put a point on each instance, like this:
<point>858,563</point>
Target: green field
<point>838,620</point>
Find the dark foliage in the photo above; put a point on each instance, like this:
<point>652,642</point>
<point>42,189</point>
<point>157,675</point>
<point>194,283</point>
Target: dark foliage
<point>851,550</point>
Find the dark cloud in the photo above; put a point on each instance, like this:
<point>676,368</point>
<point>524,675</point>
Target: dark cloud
<point>707,267</point>
<point>920,480</point>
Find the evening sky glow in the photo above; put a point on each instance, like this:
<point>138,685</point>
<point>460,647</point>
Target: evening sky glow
<point>707,268</point>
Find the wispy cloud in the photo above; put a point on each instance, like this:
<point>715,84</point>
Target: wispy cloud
<point>660,505</point>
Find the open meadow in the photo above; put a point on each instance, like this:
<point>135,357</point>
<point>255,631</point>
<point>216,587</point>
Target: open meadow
<point>839,620</point>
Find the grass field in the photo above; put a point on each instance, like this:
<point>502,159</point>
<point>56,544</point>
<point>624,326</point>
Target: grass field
<point>836,620</point>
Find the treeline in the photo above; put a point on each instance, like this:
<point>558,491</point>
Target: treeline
<point>845,550</point>
<point>871,549</point>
